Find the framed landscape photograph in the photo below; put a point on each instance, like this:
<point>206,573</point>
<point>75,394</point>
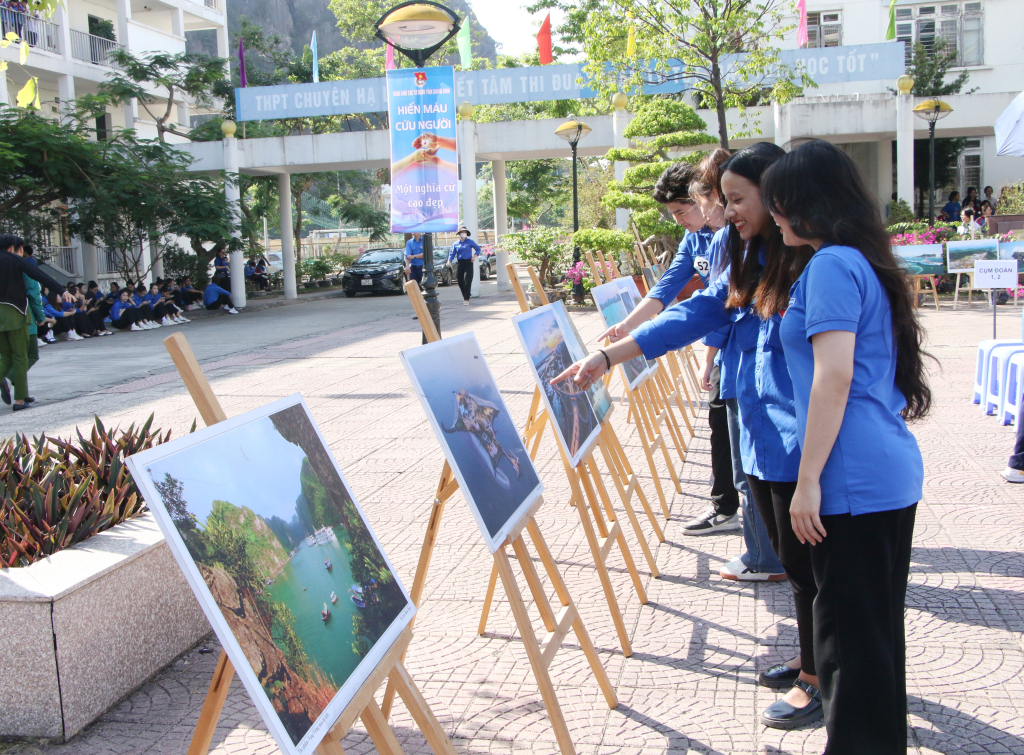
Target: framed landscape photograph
<point>599,395</point>
<point>921,259</point>
<point>476,432</point>
<point>570,408</point>
<point>285,566</point>
<point>612,302</point>
<point>961,255</point>
<point>1012,250</point>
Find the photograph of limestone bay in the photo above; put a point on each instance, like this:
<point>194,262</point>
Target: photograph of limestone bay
<point>286,555</point>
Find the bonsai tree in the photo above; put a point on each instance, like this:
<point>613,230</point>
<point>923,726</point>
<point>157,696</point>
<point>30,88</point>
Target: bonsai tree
<point>541,248</point>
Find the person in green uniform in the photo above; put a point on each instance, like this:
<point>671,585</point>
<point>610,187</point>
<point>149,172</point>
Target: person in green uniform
<point>14,313</point>
<point>34,316</point>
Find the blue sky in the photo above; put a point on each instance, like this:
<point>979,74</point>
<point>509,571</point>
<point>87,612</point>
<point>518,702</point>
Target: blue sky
<point>251,465</point>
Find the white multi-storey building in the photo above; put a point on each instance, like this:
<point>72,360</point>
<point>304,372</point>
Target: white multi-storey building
<point>71,54</point>
<point>987,38</point>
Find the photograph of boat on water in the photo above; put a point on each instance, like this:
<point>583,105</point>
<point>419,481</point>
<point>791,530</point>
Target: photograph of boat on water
<point>476,432</point>
<point>961,255</point>
<point>569,407</point>
<point>615,302</point>
<point>282,559</point>
<point>921,259</point>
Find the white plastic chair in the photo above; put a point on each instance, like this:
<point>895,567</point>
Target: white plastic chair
<point>981,364</point>
<point>995,384</point>
<point>1013,393</point>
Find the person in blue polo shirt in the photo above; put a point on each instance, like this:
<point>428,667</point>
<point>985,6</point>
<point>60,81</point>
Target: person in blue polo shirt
<point>414,257</point>
<point>853,345</point>
<point>464,250</point>
<point>214,296</point>
<point>952,208</point>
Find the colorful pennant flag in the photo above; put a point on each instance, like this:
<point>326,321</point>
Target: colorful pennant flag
<point>544,41</point>
<point>389,57</point>
<point>241,63</point>
<point>465,47</point>
<point>891,32</point>
<point>316,62</point>
<point>802,37</point>
<point>631,42</point>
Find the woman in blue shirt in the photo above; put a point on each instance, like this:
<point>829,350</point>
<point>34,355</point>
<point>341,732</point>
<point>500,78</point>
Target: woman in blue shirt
<point>754,369</point>
<point>853,344</point>
<point>464,250</point>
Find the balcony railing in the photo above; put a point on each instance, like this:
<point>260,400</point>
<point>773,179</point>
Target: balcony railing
<point>217,5</point>
<point>60,257</point>
<point>93,49</point>
<point>107,260</point>
<point>36,31</point>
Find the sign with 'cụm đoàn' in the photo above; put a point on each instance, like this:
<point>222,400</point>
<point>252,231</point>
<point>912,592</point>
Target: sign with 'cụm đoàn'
<point>995,274</point>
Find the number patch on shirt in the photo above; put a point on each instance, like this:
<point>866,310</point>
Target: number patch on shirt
<point>702,266</point>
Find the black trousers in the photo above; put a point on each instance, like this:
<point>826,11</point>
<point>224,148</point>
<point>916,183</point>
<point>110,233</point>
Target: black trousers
<point>723,492</point>
<point>416,273</point>
<point>128,318</point>
<point>861,568</point>
<point>464,273</point>
<point>184,298</point>
<point>63,325</point>
<point>773,499</point>
<point>221,301</point>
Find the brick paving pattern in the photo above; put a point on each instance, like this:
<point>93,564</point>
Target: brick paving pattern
<point>698,643</point>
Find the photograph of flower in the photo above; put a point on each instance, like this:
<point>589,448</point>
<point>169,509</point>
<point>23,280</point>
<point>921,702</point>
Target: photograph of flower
<point>283,562</point>
<point>615,304</point>
<point>921,259</point>
<point>569,407</point>
<point>475,430</point>
<point>961,255</point>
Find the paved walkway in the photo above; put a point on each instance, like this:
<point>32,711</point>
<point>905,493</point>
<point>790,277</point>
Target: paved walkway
<point>698,643</point>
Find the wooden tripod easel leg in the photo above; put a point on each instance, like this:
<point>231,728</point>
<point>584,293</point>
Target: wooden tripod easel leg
<point>625,479</point>
<point>648,405</point>
<point>665,414</point>
<point>220,685</point>
<point>610,462</point>
<point>420,711</point>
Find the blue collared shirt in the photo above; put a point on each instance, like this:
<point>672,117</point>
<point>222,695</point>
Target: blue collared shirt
<point>875,463</point>
<point>753,369</point>
<point>691,258</point>
<point>464,249</point>
<point>412,246</point>
<point>212,292</point>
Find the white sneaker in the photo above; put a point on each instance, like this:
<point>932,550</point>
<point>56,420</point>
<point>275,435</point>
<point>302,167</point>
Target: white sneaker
<point>232,311</point>
<point>135,326</point>
<point>709,522</point>
<point>40,342</point>
<point>225,307</point>
<point>735,570</point>
<point>183,320</point>
<point>73,336</point>
<point>49,338</point>
<point>154,325</point>
<point>1012,475</point>
<point>166,321</point>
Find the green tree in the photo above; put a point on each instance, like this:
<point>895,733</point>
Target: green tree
<point>541,247</point>
<point>726,51</point>
<point>194,77</point>
<point>661,128</point>
<point>536,187</point>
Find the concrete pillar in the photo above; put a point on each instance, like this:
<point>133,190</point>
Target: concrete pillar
<point>222,41</point>
<point>90,267</point>
<point>156,260</point>
<point>5,98</point>
<point>231,192</point>
<point>621,119</point>
<point>124,15</point>
<point>501,221</point>
<point>783,133</point>
<point>284,203</point>
<point>177,22</point>
<point>467,159</point>
<point>905,148</point>
<point>884,174</point>
<point>66,92</point>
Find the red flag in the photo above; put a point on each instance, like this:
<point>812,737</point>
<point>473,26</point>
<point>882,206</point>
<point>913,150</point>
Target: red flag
<point>544,41</point>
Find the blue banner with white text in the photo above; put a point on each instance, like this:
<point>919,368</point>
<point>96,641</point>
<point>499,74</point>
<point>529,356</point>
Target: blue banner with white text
<point>424,155</point>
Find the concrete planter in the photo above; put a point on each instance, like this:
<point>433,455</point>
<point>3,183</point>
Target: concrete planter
<point>87,626</point>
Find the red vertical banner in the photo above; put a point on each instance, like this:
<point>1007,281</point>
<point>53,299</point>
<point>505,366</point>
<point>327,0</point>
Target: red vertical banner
<point>544,41</point>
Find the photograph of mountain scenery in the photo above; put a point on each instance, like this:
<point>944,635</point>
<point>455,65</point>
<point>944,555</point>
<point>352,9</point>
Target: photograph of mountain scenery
<point>612,304</point>
<point>567,404</point>
<point>473,426</point>
<point>291,568</point>
<point>961,255</point>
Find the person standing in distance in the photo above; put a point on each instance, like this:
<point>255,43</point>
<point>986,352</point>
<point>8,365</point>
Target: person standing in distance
<point>414,258</point>
<point>464,250</point>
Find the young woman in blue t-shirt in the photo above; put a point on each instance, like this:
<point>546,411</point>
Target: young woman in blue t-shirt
<point>853,346</point>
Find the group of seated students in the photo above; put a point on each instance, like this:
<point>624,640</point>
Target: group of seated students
<point>255,271</point>
<point>131,307</point>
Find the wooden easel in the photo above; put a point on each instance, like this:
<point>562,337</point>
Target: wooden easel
<point>557,625</point>
<point>920,289</point>
<point>362,706</point>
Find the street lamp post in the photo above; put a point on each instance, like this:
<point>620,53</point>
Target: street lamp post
<point>932,110</point>
<point>572,131</point>
<point>418,29</point>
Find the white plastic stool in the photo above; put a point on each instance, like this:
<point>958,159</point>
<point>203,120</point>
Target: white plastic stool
<point>1013,393</point>
<point>998,365</point>
<point>981,365</point>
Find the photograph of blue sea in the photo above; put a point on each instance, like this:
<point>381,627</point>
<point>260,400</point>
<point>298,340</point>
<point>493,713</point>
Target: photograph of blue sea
<point>285,554</point>
<point>921,259</point>
<point>1012,250</point>
<point>474,423</point>
<point>612,303</point>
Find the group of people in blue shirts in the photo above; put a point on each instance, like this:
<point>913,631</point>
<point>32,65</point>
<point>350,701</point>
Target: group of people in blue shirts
<point>815,363</point>
<point>462,253</point>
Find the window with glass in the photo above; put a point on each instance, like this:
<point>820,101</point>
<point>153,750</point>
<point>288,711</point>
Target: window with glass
<point>824,29</point>
<point>970,166</point>
<point>953,27</point>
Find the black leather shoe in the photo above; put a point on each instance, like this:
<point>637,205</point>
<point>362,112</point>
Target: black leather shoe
<point>778,677</point>
<point>29,400</point>
<point>782,715</point>
<point>5,391</point>
<point>19,407</point>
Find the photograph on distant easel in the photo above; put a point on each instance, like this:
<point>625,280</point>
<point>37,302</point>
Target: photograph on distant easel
<point>615,305</point>
<point>569,407</point>
<point>599,395</point>
<point>282,559</point>
<point>473,426</point>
